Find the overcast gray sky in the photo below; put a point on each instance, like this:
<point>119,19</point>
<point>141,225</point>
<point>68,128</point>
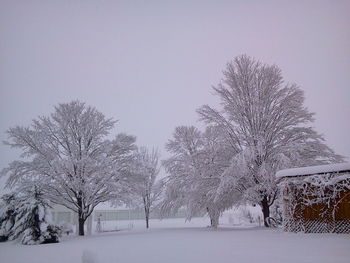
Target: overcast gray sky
<point>151,64</point>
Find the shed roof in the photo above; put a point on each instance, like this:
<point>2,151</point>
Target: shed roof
<point>311,170</point>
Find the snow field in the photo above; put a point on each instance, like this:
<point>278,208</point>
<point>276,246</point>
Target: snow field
<point>174,241</point>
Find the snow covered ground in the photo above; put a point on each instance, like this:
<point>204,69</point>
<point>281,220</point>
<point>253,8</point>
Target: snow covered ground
<point>174,241</point>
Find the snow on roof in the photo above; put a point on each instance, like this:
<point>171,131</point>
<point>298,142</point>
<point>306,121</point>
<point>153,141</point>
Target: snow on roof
<point>320,169</point>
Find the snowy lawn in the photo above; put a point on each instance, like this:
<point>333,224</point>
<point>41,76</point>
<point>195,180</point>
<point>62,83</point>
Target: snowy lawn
<point>175,241</point>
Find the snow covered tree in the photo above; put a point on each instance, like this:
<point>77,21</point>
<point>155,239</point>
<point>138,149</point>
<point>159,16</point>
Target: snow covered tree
<point>27,215</point>
<point>69,156</point>
<point>198,159</point>
<point>33,223</point>
<point>268,128</point>
<point>8,204</point>
<point>146,168</point>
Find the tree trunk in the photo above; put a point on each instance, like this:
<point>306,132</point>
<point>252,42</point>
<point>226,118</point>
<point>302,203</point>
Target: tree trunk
<point>147,208</point>
<point>81,219</point>
<point>214,217</point>
<point>81,226</point>
<point>214,221</point>
<point>147,221</point>
<point>265,209</point>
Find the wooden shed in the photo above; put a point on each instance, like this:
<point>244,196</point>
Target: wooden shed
<point>316,199</point>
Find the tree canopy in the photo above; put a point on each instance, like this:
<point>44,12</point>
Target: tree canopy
<point>70,156</point>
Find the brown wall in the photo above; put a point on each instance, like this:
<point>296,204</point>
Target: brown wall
<point>324,211</point>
